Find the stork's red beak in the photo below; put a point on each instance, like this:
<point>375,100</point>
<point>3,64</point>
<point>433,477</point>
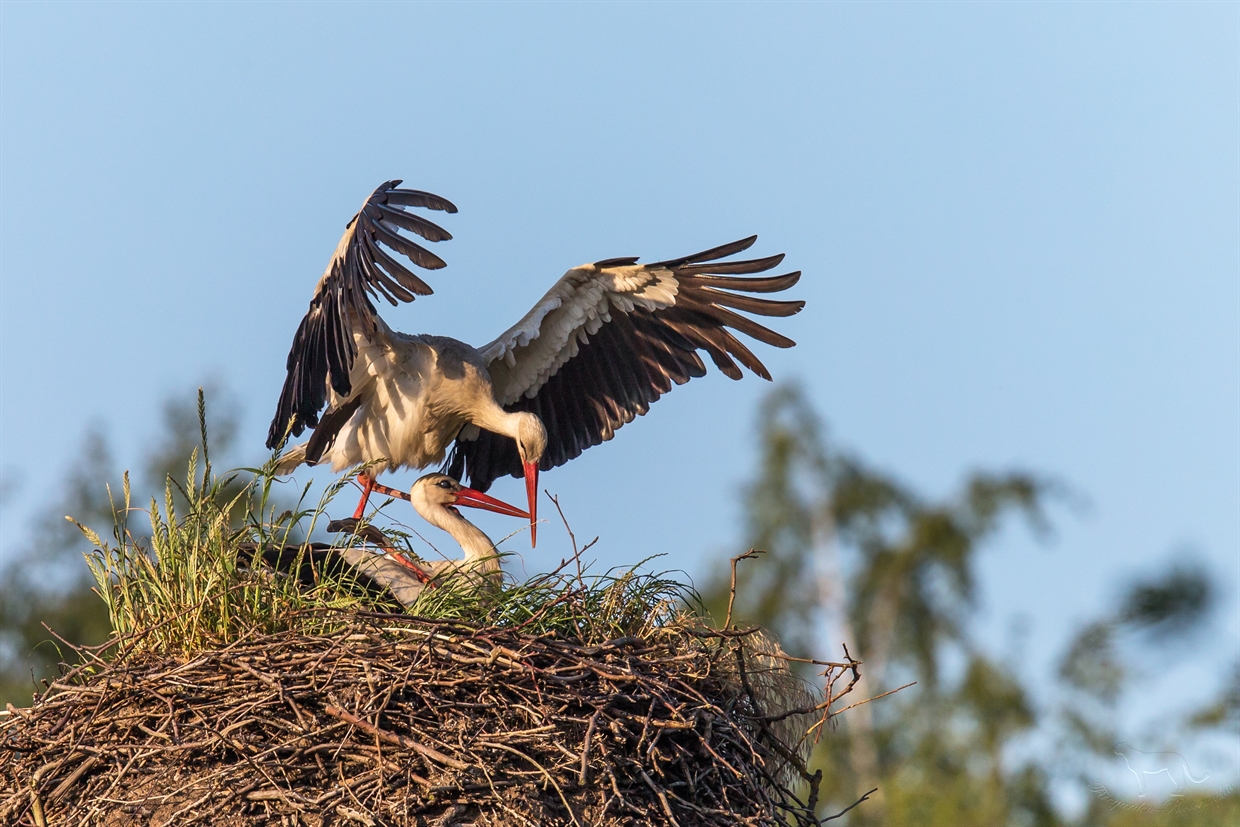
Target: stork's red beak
<point>531,492</point>
<point>476,499</point>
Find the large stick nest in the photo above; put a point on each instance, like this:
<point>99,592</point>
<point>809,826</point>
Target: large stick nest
<point>402,721</point>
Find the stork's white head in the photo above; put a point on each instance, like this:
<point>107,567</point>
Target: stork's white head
<point>432,492</point>
<point>435,492</point>
<point>436,496</point>
<point>531,445</point>
<point>531,437</point>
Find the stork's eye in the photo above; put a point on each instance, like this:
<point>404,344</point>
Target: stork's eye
<point>445,484</point>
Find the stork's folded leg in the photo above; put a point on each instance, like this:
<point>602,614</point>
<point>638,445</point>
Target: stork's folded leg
<point>374,535</point>
<point>379,488</point>
<point>418,572</point>
<point>368,484</point>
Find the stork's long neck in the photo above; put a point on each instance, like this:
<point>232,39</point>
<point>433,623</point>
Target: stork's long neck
<point>497,420</point>
<point>480,553</point>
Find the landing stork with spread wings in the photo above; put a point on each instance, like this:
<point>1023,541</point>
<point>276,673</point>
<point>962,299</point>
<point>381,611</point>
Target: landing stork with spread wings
<point>606,341</point>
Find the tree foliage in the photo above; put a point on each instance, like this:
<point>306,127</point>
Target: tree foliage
<point>854,555</point>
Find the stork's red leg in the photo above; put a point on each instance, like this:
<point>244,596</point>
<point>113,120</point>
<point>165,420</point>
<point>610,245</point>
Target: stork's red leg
<point>368,484</point>
<point>389,492</point>
<point>418,572</point>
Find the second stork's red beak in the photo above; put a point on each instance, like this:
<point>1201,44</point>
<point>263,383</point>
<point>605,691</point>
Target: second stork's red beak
<point>531,492</point>
<point>476,499</point>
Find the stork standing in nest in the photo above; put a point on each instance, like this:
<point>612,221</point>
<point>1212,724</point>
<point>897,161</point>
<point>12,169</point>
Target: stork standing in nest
<point>605,342</point>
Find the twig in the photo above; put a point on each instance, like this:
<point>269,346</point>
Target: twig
<point>572,537</point>
<point>749,555</point>
<point>585,749</point>
<point>66,785</point>
<point>875,698</point>
<point>662,796</point>
<point>550,779</point>
<point>393,738</point>
<point>850,806</point>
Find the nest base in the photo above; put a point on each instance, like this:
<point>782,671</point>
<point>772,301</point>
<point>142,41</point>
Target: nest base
<point>401,721</point>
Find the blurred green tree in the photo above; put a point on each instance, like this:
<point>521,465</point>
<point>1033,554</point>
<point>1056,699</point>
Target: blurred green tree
<point>1224,712</point>
<point>47,584</point>
<point>854,551</point>
<point>854,555</point>
<point>1163,611</point>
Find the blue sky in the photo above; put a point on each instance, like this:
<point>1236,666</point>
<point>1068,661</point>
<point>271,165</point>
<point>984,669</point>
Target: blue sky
<point>1017,223</point>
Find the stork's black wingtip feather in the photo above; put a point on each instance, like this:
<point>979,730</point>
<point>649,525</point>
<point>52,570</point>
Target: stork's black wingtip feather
<point>714,254</point>
<point>386,186</point>
<point>623,261</point>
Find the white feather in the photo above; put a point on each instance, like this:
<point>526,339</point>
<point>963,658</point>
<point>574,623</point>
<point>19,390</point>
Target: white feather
<point>530,352</point>
<point>411,411</point>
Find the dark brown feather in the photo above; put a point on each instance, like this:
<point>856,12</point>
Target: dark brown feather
<point>722,251</point>
<point>413,223</point>
<point>726,318</point>
<point>744,355</point>
<point>762,307</point>
<point>416,253</point>
<point>327,429</point>
<point>756,265</point>
<point>397,270</point>
<point>768,284</point>
<point>415,198</point>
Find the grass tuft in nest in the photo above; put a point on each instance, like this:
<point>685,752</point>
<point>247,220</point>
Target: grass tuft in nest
<point>196,580</point>
<point>583,607</point>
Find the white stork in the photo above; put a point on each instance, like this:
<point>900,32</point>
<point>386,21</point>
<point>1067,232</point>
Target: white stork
<point>607,340</point>
<point>436,497</point>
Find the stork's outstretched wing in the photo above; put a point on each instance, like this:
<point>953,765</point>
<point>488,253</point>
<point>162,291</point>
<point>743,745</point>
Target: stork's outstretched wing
<point>612,337</point>
<point>323,350</point>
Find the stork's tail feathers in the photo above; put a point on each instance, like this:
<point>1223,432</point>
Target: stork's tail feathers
<point>290,459</point>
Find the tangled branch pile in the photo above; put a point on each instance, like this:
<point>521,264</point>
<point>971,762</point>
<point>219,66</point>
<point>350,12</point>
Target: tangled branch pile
<point>399,720</point>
